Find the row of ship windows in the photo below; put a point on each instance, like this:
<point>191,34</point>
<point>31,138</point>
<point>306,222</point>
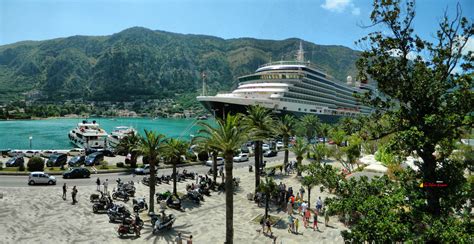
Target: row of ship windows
<point>325,111</point>
<point>308,91</point>
<point>271,77</point>
<point>312,98</point>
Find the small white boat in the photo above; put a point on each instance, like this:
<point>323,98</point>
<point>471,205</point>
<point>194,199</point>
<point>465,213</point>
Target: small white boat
<point>118,134</point>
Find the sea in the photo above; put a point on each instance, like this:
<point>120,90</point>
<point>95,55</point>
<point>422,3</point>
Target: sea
<point>53,133</point>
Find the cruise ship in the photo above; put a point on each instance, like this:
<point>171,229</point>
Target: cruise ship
<point>88,135</point>
<point>291,87</point>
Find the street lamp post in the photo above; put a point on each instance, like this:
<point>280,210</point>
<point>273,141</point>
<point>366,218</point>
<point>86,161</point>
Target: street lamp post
<point>31,139</point>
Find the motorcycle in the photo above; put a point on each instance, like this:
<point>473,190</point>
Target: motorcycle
<point>96,197</point>
<point>102,205</point>
<point>190,175</point>
<point>139,204</point>
<point>129,188</point>
<point>162,196</point>
<point>162,222</point>
<point>146,181</point>
<point>120,194</point>
<point>118,213</point>
<point>175,204</point>
<point>131,228</point>
<point>195,196</point>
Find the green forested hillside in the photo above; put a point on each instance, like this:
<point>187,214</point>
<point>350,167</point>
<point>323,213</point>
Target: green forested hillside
<point>141,63</point>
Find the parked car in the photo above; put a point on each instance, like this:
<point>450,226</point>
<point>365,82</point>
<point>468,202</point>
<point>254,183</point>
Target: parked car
<point>14,153</point>
<point>241,157</point>
<point>77,161</point>
<point>15,162</point>
<point>270,153</point>
<point>279,145</point>
<point>144,170</point>
<point>77,152</point>
<point>56,160</point>
<point>106,152</point>
<point>41,178</point>
<point>77,173</point>
<point>220,161</point>
<point>265,147</point>
<point>47,153</point>
<point>32,153</point>
<point>94,158</point>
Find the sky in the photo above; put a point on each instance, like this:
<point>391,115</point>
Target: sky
<point>327,22</point>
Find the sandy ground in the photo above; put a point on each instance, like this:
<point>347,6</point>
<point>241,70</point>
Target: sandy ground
<point>38,214</point>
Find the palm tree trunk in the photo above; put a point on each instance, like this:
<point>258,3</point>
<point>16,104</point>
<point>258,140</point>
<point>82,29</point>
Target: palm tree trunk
<point>174,177</point>
<point>152,185</point>
<point>258,149</point>
<point>285,143</point>
<point>266,204</point>
<point>214,166</point>
<point>309,196</point>
<point>229,198</point>
<point>133,160</point>
<point>298,166</point>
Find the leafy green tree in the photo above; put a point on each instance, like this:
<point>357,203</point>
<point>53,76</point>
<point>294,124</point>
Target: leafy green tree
<point>324,129</point>
<point>286,128</point>
<point>260,126</point>
<point>426,100</point>
<point>173,150</point>
<point>319,152</point>
<point>337,136</point>
<point>309,181</point>
<point>228,136</point>
<point>349,154</point>
<point>35,164</point>
<point>308,126</point>
<point>205,141</point>
<point>268,187</point>
<point>299,149</point>
<point>151,146</point>
<point>129,144</point>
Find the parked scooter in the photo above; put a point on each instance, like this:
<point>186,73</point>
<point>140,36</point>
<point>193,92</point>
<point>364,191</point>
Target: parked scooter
<point>102,205</point>
<point>120,194</point>
<point>162,195</point>
<point>118,213</point>
<point>161,222</point>
<point>173,203</point>
<point>139,204</point>
<point>195,196</point>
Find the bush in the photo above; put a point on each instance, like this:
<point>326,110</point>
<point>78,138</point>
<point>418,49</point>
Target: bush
<point>192,157</point>
<point>203,156</point>
<point>104,165</point>
<point>120,165</point>
<point>1,165</point>
<point>34,164</point>
<point>145,160</point>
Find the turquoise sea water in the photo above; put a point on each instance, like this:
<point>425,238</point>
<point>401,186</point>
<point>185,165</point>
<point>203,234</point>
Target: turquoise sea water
<point>52,133</point>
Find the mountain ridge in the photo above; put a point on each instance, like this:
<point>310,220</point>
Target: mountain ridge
<point>139,63</point>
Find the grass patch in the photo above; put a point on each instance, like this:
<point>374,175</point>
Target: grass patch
<point>273,219</point>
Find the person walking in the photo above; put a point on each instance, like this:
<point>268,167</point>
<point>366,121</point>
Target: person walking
<point>269,226</point>
<point>98,183</point>
<point>64,191</point>
<point>74,193</point>
<point>179,239</point>
<point>262,223</point>
<point>190,240</point>
<point>315,221</point>
<point>307,216</point>
<point>106,184</point>
<point>302,192</point>
<point>326,217</point>
<point>290,223</point>
<point>319,204</point>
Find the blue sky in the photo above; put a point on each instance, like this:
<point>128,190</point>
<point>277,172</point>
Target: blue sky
<point>330,22</point>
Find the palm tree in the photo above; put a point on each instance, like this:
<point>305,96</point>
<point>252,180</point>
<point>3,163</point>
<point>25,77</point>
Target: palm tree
<point>260,125</point>
<point>308,181</point>
<point>204,141</point>
<point>227,136</point>
<point>308,126</point>
<point>151,146</point>
<point>324,131</point>
<point>299,149</point>
<point>173,149</point>
<point>268,188</point>
<point>320,151</point>
<point>286,128</point>
<point>129,144</point>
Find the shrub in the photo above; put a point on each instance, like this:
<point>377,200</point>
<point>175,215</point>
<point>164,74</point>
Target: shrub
<point>104,165</point>
<point>203,156</point>
<point>34,164</point>
<point>1,165</point>
<point>120,165</point>
<point>145,160</point>
<point>192,157</point>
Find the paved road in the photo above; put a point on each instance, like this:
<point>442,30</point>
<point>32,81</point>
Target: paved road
<point>21,181</point>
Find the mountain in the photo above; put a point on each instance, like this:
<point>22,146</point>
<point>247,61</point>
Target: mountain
<point>144,64</point>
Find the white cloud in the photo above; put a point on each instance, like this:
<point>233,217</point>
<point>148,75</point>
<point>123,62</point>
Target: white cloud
<point>469,46</point>
<point>340,6</point>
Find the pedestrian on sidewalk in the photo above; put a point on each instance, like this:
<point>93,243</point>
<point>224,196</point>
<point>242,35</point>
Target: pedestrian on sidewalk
<point>302,192</point>
<point>297,223</point>
<point>106,184</point>
<point>315,220</point>
<point>190,240</point>
<point>262,223</point>
<point>98,183</point>
<point>64,191</point>
<point>179,239</point>
<point>326,217</point>
<point>319,204</point>
<point>269,227</point>
<point>307,216</point>
<point>290,223</point>
<point>74,193</point>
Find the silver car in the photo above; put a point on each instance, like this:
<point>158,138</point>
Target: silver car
<point>41,178</point>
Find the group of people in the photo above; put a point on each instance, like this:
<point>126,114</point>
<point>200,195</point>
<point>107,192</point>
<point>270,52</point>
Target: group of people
<point>73,193</point>
<point>179,239</point>
<point>105,184</point>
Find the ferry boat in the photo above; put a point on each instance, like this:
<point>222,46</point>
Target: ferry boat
<point>291,87</point>
<point>118,134</point>
<point>88,135</point>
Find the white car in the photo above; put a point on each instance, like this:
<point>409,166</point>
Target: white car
<point>41,178</point>
<point>241,157</point>
<point>77,152</point>
<point>143,171</point>
<point>15,153</point>
<point>265,147</point>
<point>32,153</point>
<point>279,145</point>
<point>220,161</point>
<point>47,153</point>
